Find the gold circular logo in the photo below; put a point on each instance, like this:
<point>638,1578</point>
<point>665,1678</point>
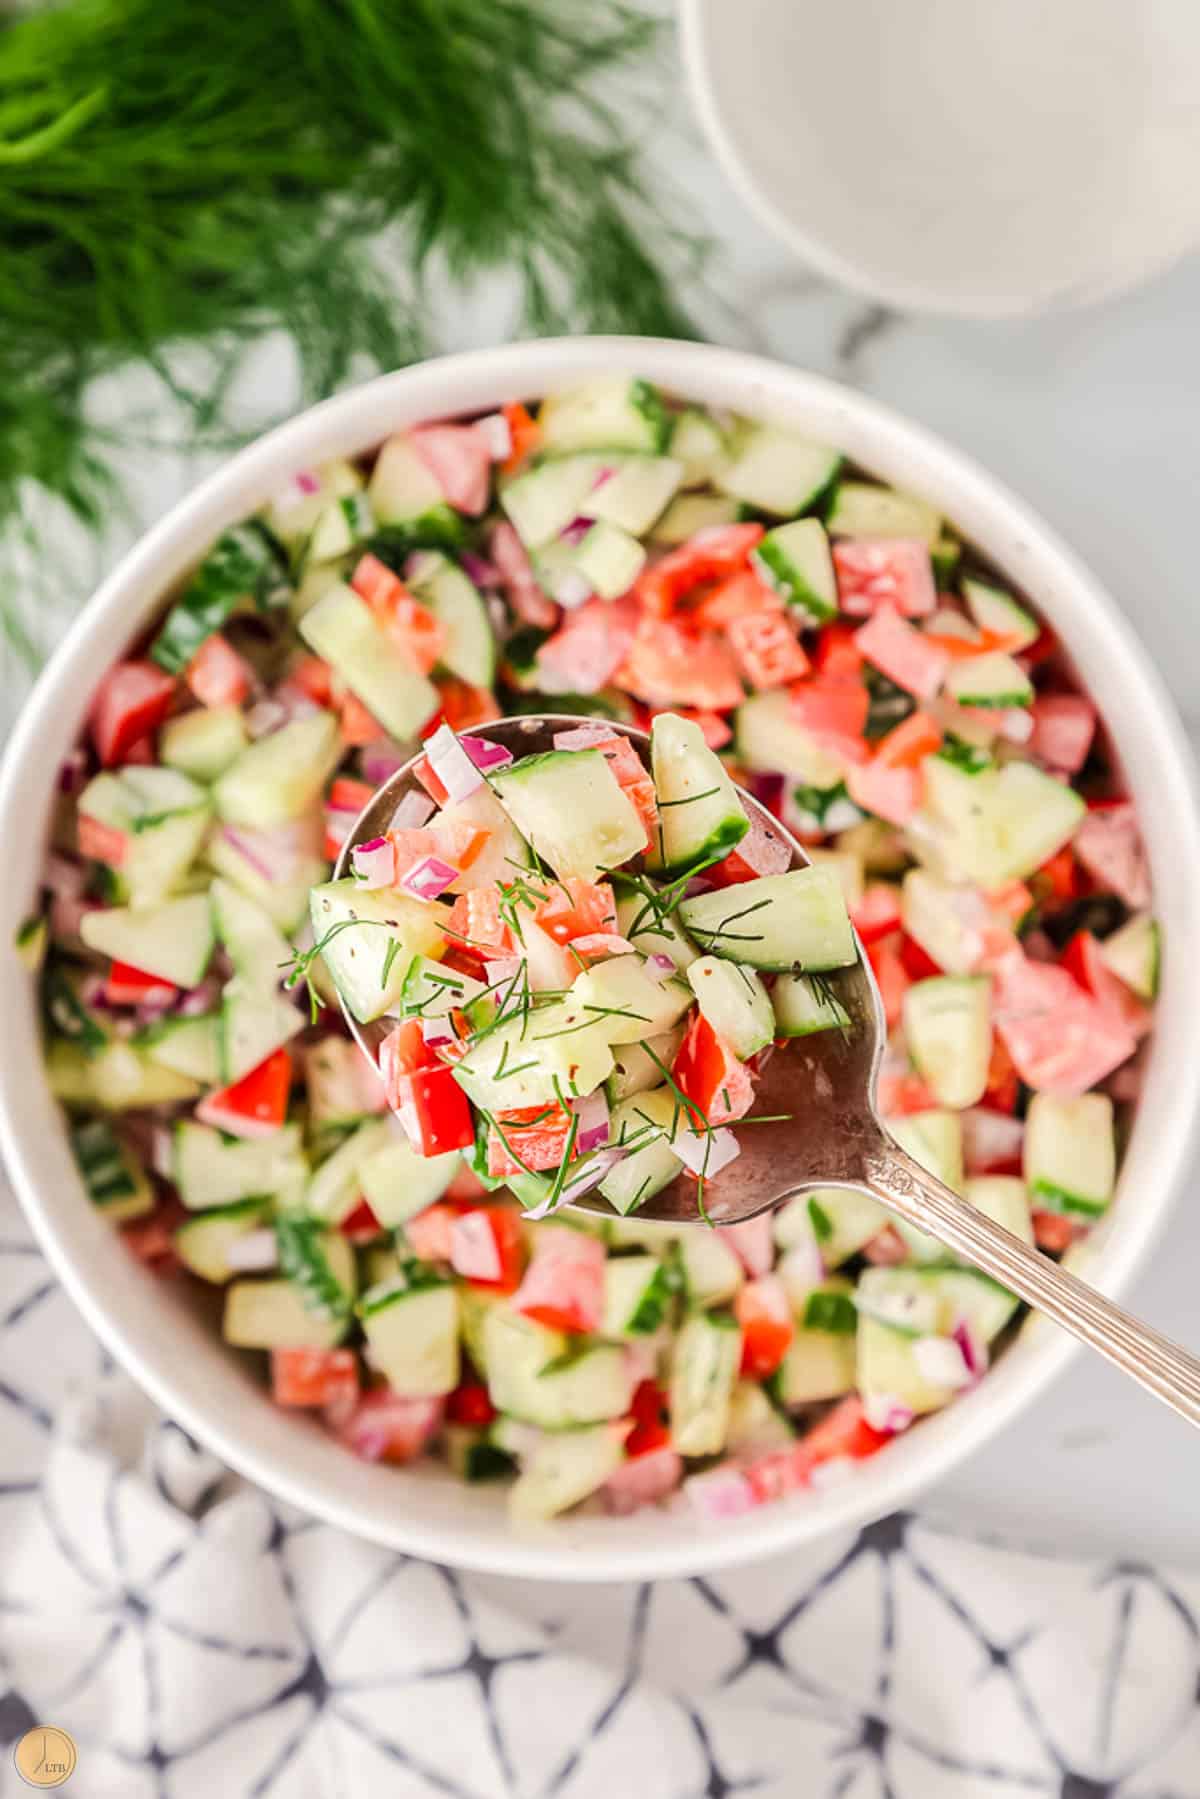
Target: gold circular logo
<point>45,1756</point>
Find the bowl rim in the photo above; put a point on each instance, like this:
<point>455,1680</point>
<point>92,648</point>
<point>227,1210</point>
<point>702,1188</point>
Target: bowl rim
<point>127,1312</point>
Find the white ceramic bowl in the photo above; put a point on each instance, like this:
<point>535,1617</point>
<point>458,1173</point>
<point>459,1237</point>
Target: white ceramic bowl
<point>173,1351</point>
<point>958,156</point>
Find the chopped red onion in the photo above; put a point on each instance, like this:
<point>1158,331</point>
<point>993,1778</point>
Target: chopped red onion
<point>379,761</point>
<point>496,434</point>
<point>660,966</point>
<point>768,789</point>
<point>71,771</point>
<point>941,1361</point>
<point>420,565</point>
<point>990,1139</point>
<point>576,531</point>
<point>375,862</point>
<point>300,487</point>
<point>428,878</point>
<point>590,1175</point>
<point>479,570</point>
<point>706,1152</point>
<point>502,968</point>
<point>583,737</point>
<point>602,475</point>
<point>162,1152</point>
<point>720,1493</point>
<point>250,845</point>
<point>572,589</point>
<point>486,755</point>
<point>452,765</point>
<point>974,1349</point>
<point>1016,724</point>
<point>833,1473</point>
<point>66,916</point>
<point>414,810</point>
<point>253,1253</point>
<point>198,1000</point>
<point>843,815</point>
<point>801,1270</point>
<point>338,825</point>
<point>696,886</point>
<point>266,716</point>
<point>592,1113</point>
<point>436,1030</point>
<point>883,1412</point>
<point>641,1358</point>
<point>65,878</point>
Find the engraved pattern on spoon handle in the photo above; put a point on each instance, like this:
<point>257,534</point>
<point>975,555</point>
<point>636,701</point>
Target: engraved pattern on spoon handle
<point>1164,1368</point>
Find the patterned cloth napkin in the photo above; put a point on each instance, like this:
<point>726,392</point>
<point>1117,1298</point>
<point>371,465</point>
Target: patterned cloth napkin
<point>198,1639</point>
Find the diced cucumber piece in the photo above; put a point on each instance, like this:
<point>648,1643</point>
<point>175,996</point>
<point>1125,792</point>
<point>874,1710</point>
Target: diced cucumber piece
<point>863,509</point>
<point>342,1086</point>
<point>652,930</point>
<point>890,1374</point>
<point>203,1243</point>
<point>795,560</point>
<point>368,939</point>
<point>563,1468</point>
<point>1001,824</point>
<point>755,1425</point>
<point>342,525</point>
<point>693,512</point>
<point>316,582</point>
<point>292,515</point>
<point>802,1007</point>
<point>1070,1153</point>
<point>948,1030</point>
<point>173,940</point>
<point>846,866</point>
<point>934,1139</point>
<point>829,1308</point>
<point>115,1180</point>
<point>633,497</point>
<point>636,1069</point>
<point>469,647</point>
<point>272,1314</point>
<point>608,412</point>
<point>924,1302</point>
<point>243,571</point>
<point>942,917</point>
<point>529,1059</point>
<point>187,1045</point>
<point>839,1219</point>
<point>819,1364</point>
<point>711,1270</point>
<point>413,1335</point>
<point>534,1374</point>
<point>628,1003</point>
<point>971,1298</point>
<point>698,442</point>
<point>735,1003</point>
<point>256,946</point>
<point>342,628</point>
<point>66,1011</point>
<point>319,1263</point>
<point>286,902</point>
<point>473,1453</point>
<point>279,777</point>
<point>1003,1198</point>
<point>212,1170</point>
<point>796,920</point>
<point>397,1183</point>
<point>402,489</point>
<point>542,502</point>
<point>637,1295</point>
<point>1133,954</point>
<point>431,991</point>
<point>570,807</point>
<point>163,816</point>
<point>704,1369</point>
<point>997,611</point>
<point>116,1078</point>
<point>647,1121</point>
<point>639,1233</point>
<point>768,739</point>
<point>993,680</point>
<point>608,559</point>
<point>255,1022</point>
<point>334,1189</point>
<point>777,471</point>
<point>700,815</point>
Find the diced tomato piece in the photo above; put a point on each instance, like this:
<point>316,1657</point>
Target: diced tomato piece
<point>465,1186</point>
<point>892,572</point>
<point>408,623</point>
<point>532,1137</point>
<point>1084,961</point>
<point>1011,902</point>
<point>649,1411</point>
<point>524,435</point>
<point>1054,1232</point>
<point>669,664</point>
<point>1003,1083</point>
<point>762,851</point>
<point>377,584</point>
<point>587,907</point>
<point>767,649</point>
<point>255,1106</point>
<point>563,1286</point>
<point>313,1377</point>
<point>843,1435</point>
<point>141,753</point>
<point>709,1074</point>
<point>1109,845</point>
<point>1060,1038</point>
<point>1043,647</point>
<point>487,1245</point>
<point>358,726</point>
<point>903,654</point>
<point>129,986</point>
<point>877,913</point>
<point>430,1234</point>
<point>1064,725</point>
<point>917,963</point>
<point>642,1479</point>
<point>708,556</point>
<point>458,458</point>
<point>386,1427</point>
<point>1059,878</point>
<point>587,650</point>
<point>837,651</point>
<point>900,1095</point>
<point>313,677</point>
<point>430,781</point>
<point>348,795</point>
<point>132,699</point>
<point>891,976</point>
<point>469,1404</point>
<point>907,744</point>
<point>464,706</point>
<point>741,596</point>
<point>217,675</point>
<point>762,1309</point>
<point>519,581</point>
<point>453,841</point>
<point>403,1051</point>
<point>434,1111</point>
<point>715,731</point>
<point>361,1225</point>
<point>100,843</point>
<point>475,923</point>
<point>598,945</point>
<point>831,706</point>
<point>893,794</point>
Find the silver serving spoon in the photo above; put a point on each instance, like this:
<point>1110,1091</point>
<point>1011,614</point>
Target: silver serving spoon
<point>832,1135</point>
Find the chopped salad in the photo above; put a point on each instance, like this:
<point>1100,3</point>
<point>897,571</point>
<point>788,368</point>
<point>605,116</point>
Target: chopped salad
<point>581,962</point>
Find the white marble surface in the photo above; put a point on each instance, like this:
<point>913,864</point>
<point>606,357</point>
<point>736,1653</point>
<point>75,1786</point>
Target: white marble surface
<point>1094,417</point>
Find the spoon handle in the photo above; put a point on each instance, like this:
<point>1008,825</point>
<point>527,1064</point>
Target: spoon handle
<point>1165,1369</point>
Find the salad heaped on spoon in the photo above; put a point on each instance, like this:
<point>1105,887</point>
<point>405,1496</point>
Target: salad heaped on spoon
<point>577,963</point>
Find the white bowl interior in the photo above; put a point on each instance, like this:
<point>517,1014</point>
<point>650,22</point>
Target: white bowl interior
<point>168,1347</point>
<point>958,155</point>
